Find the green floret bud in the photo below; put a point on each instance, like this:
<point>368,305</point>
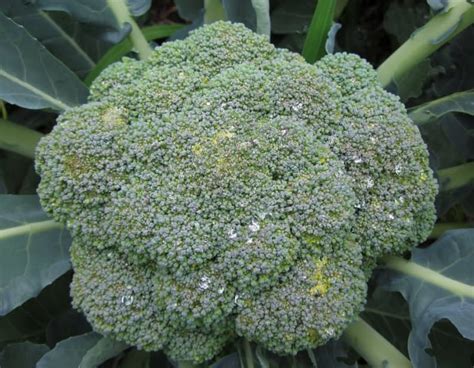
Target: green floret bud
<point>198,300</point>
<point>385,154</point>
<point>197,346</point>
<point>117,297</point>
<point>310,305</point>
<point>225,188</point>
<point>349,72</point>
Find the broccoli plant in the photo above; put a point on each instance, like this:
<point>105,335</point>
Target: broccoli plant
<point>225,200</point>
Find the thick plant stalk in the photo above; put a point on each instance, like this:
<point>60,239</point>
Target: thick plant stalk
<point>429,276</point>
<point>213,11</point>
<point>120,10</point>
<point>457,16</point>
<point>373,347</point>
<point>262,11</point>
<point>18,139</point>
<point>248,354</point>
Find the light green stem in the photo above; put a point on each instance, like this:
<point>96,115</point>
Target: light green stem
<point>456,177</point>
<point>31,228</point>
<point>120,10</point>
<point>262,12</point>
<point>18,139</point>
<point>213,11</point>
<point>373,347</point>
<point>440,229</point>
<point>428,275</point>
<point>248,354</point>
<point>426,40</point>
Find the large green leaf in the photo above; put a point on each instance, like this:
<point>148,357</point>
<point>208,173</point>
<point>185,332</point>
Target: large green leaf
<point>33,250</point>
<point>71,350</point>
<point>76,45</point>
<point>241,11</point>
<point>94,11</point>
<point>189,9</point>
<point>67,324</point>
<point>449,347</point>
<point>229,361</point>
<point>103,350</point>
<point>457,102</point>
<point>136,359</point>
<point>22,355</point>
<point>30,76</point>
<point>30,320</point>
<point>438,284</point>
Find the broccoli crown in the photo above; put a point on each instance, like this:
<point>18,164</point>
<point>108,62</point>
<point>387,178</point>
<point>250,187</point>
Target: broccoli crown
<point>226,188</point>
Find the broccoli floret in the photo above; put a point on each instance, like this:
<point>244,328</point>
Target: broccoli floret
<point>225,188</point>
<point>310,305</point>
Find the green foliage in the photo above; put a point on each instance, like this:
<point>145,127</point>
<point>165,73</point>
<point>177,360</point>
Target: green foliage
<point>33,250</point>
<point>266,130</point>
<point>22,355</point>
<point>78,46</point>
<point>72,350</point>
<point>437,286</point>
<point>25,81</point>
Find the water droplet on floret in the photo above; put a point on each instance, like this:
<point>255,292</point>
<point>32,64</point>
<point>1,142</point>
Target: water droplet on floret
<point>127,299</point>
<point>232,234</point>
<point>205,282</point>
<point>254,226</point>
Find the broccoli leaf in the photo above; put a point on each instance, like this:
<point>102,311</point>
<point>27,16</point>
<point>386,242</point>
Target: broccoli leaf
<point>30,76</point>
<point>229,361</point>
<point>30,320</point>
<point>33,250</point>
<point>22,355</point>
<point>94,11</point>
<point>189,9</point>
<point>77,46</point>
<point>457,102</point>
<point>241,11</point>
<point>105,349</point>
<point>441,288</point>
<point>71,350</point>
<point>67,324</point>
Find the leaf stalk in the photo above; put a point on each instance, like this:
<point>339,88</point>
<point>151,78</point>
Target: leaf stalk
<point>19,139</point>
<point>457,16</point>
<point>425,274</point>
<point>373,347</point>
<point>122,14</point>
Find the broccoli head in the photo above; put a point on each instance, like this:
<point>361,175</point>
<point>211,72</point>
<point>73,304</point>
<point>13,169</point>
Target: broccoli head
<point>225,188</point>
